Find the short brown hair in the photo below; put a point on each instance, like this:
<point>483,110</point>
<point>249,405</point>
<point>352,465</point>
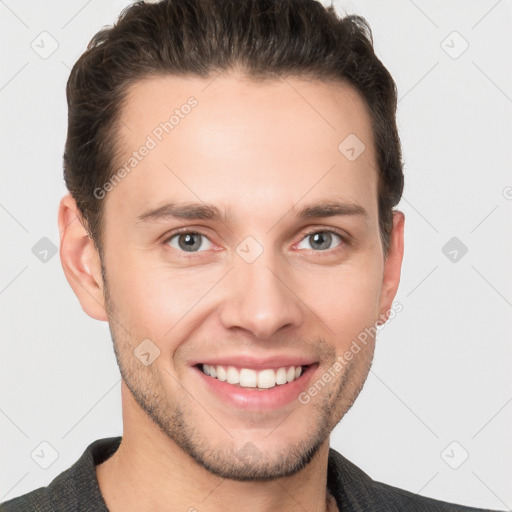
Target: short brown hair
<point>264,38</point>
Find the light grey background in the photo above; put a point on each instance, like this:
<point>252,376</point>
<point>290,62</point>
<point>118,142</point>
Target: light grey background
<point>442,369</point>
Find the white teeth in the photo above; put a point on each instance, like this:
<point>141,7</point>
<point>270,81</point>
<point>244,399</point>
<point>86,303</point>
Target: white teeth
<point>221,373</point>
<point>232,375</point>
<point>248,378</point>
<point>266,379</point>
<point>281,376</point>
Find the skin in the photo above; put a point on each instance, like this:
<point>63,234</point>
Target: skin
<point>261,152</point>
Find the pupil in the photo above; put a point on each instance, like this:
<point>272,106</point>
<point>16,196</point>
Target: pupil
<point>189,242</point>
<point>323,239</point>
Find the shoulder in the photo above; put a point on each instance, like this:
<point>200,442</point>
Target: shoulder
<point>405,500</point>
<point>354,490</point>
<point>37,500</point>
<point>74,490</point>
<point>60,495</point>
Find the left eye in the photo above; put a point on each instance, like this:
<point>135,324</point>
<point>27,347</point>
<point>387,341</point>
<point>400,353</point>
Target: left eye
<point>321,240</point>
<point>188,242</point>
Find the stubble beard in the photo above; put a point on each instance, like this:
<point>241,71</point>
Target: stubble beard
<point>250,462</point>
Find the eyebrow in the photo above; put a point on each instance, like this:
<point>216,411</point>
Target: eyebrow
<point>205,211</point>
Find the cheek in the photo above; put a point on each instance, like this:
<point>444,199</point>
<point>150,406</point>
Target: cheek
<point>347,299</point>
<point>151,298</point>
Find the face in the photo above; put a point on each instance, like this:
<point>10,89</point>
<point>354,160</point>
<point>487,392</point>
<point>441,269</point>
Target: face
<point>244,244</point>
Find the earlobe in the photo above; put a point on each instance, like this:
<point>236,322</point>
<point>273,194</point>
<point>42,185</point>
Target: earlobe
<point>392,266</point>
<point>80,260</point>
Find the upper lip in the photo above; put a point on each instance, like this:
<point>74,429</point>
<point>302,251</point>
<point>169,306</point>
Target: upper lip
<point>246,361</point>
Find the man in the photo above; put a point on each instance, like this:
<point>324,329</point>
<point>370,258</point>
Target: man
<point>233,168</point>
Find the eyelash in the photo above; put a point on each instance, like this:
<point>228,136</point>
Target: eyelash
<point>185,231</point>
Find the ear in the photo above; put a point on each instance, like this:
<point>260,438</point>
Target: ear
<point>392,266</point>
<point>80,260</point>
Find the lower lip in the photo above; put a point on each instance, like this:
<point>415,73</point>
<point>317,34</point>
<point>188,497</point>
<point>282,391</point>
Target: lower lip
<point>255,399</point>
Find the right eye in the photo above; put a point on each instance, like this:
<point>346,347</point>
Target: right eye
<point>187,241</point>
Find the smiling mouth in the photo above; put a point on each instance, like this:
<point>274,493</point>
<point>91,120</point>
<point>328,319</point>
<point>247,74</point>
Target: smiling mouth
<point>257,379</point>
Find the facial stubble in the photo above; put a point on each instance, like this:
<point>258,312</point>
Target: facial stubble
<point>232,459</point>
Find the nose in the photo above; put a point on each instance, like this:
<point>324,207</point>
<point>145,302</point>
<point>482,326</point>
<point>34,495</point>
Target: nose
<point>260,298</point>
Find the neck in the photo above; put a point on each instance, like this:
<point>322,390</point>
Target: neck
<point>150,472</point>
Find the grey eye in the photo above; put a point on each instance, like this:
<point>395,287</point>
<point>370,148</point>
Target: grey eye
<point>188,242</point>
<point>320,240</point>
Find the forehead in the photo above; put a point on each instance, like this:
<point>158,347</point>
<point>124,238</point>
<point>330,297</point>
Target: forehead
<point>234,103</point>
<point>230,138</point>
